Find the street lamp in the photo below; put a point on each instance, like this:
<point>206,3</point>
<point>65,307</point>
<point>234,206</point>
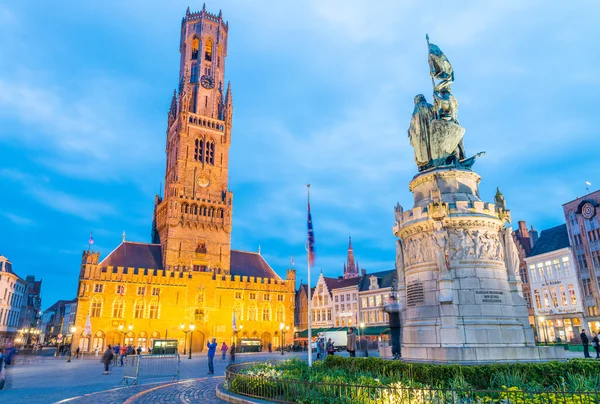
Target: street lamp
<point>362,327</point>
<point>72,329</point>
<point>281,331</point>
<point>185,338</point>
<point>192,326</point>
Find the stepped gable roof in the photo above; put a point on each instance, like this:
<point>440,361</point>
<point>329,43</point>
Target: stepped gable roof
<point>384,279</point>
<point>246,263</point>
<point>135,255</point>
<point>336,283</point>
<point>551,239</point>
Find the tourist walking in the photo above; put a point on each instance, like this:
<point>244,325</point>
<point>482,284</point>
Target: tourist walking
<point>351,344</point>
<point>224,348</point>
<point>596,344</point>
<point>212,348</point>
<point>77,353</point>
<point>320,348</point>
<point>270,347</point>
<point>107,358</point>
<point>330,347</point>
<point>116,350</point>
<point>585,341</point>
<point>393,310</point>
<point>232,354</point>
<point>123,353</point>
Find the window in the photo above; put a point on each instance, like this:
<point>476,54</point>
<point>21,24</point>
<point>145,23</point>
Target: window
<point>566,266</point>
<point>532,272</point>
<point>343,307</point>
<point>280,298</point>
<point>210,153</point>
<point>335,298</point>
<point>326,302</point>
<point>266,314</point>
<point>252,313</point>
<point>96,307</point>
<point>546,300</point>
<point>199,150</point>
<point>252,296</point>
<point>553,296</point>
<point>596,258</point>
<point>195,46</point>
<point>563,296</point>
<point>200,298</point>
<point>549,273</point>
<point>120,290</point>
<point>528,300</point>
<point>199,315</point>
<point>572,294</point>
<point>378,300</point>
<point>267,296</point>
<point>208,49</point>
<point>585,283</point>
<point>380,316</point>
<point>328,314</point>
<point>238,295</point>
<point>371,301</point>
<point>155,291</point>
<point>153,310</point>
<point>557,268</point>
<point>538,300</point>
<point>194,74</point>
<point>141,290</point>
<point>138,310</point>
<point>279,314</point>
<point>98,288</point>
<point>364,302</point>
<point>118,308</point>
<point>582,263</point>
<point>348,297</point>
<point>341,298</point>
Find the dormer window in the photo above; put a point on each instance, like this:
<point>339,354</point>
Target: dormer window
<point>374,285</point>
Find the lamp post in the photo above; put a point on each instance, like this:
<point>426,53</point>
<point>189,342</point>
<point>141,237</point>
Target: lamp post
<point>281,331</point>
<point>185,338</point>
<point>192,326</point>
<point>72,329</point>
<point>362,326</point>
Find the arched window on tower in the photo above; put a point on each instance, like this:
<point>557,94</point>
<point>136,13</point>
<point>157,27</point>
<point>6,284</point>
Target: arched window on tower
<point>96,307</point>
<point>210,153</point>
<point>199,150</point>
<point>195,45</point>
<point>208,49</point>
<point>118,306</point>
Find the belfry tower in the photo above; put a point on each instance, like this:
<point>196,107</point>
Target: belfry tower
<point>193,221</point>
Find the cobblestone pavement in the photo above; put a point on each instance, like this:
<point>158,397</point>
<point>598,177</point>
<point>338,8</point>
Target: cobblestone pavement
<point>200,390</point>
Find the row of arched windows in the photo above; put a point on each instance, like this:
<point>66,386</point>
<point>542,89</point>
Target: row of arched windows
<point>208,49</point>
<point>204,151</point>
<point>194,209</point>
<point>118,308</point>
<point>205,123</point>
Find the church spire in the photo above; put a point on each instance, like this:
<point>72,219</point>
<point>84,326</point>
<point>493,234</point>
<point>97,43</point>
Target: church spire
<point>350,269</point>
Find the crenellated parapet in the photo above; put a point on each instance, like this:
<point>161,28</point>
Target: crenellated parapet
<point>203,14</point>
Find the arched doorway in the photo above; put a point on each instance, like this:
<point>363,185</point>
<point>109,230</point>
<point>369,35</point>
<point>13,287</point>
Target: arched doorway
<point>198,341</point>
<point>84,343</point>
<point>265,338</point>
<point>114,338</point>
<point>98,341</point>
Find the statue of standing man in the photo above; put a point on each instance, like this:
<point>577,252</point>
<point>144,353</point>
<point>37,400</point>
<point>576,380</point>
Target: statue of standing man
<point>419,131</point>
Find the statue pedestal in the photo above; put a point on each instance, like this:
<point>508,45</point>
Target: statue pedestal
<point>464,307</point>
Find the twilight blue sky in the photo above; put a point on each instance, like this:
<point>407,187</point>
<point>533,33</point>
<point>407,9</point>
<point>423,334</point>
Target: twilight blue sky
<point>323,92</point>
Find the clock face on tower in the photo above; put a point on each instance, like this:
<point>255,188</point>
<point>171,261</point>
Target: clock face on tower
<point>203,181</point>
<point>588,210</point>
<point>207,81</point>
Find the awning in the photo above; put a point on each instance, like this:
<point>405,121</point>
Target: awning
<point>377,330</point>
<point>314,332</point>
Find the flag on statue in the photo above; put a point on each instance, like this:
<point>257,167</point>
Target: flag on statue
<point>311,239</point>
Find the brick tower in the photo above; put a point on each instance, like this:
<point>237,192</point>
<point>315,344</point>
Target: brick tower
<point>193,221</point>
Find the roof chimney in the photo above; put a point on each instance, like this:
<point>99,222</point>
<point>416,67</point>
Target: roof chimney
<point>534,236</point>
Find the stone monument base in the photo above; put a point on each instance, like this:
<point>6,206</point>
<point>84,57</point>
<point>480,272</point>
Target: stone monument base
<point>482,355</point>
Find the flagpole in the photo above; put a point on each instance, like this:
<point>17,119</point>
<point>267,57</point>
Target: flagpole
<point>309,297</point>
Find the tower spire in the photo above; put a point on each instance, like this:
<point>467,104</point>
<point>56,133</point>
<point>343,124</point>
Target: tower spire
<point>350,270</point>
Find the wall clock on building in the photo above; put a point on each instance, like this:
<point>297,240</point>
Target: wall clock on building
<point>203,181</point>
<point>588,210</point>
<point>207,81</point>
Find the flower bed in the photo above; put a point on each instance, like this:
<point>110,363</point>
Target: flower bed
<point>373,380</point>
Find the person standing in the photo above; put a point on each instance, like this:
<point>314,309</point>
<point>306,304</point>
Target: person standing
<point>596,345</point>
<point>330,347</point>
<point>123,353</point>
<point>107,358</point>
<point>585,341</point>
<point>224,348</point>
<point>116,349</point>
<point>270,347</point>
<point>212,348</point>
<point>393,310</point>
<point>232,354</point>
<point>320,348</point>
<point>351,344</point>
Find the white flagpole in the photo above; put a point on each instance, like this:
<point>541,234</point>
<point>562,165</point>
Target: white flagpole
<point>309,297</point>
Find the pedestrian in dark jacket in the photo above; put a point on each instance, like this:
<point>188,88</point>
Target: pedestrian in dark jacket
<point>232,353</point>
<point>212,348</point>
<point>393,310</point>
<point>596,344</point>
<point>585,341</point>
<point>106,358</point>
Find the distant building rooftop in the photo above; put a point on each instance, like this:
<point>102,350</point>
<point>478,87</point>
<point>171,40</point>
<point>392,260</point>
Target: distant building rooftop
<point>551,239</point>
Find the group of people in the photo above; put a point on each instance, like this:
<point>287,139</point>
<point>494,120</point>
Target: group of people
<point>114,353</point>
<point>586,342</point>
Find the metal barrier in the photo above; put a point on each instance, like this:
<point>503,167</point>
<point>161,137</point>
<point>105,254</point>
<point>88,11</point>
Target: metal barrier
<point>138,367</point>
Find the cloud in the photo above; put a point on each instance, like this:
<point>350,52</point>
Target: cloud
<point>63,202</point>
<point>18,220</point>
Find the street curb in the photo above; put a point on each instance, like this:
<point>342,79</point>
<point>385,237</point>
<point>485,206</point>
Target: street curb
<point>226,395</point>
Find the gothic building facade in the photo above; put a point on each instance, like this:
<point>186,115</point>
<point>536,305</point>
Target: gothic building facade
<point>188,275</point>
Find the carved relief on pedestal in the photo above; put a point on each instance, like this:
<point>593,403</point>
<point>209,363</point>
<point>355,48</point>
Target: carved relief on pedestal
<point>418,249</point>
<point>475,244</point>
